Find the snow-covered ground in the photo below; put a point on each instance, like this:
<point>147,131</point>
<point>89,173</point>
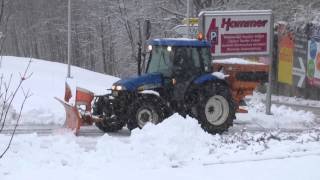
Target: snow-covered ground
<point>283,117</point>
<point>176,149</point>
<point>286,100</point>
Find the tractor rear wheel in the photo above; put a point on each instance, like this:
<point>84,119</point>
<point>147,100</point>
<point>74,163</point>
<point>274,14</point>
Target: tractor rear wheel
<point>145,110</point>
<point>216,109</point>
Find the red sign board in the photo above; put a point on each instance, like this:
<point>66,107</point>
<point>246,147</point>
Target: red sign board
<point>234,43</point>
<point>237,32</point>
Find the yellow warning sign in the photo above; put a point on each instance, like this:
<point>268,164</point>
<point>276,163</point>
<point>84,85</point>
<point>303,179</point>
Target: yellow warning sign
<point>192,21</point>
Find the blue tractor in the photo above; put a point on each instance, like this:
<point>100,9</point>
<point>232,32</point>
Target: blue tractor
<point>178,79</point>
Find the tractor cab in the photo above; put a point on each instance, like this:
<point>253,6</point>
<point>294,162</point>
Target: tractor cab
<point>180,62</point>
<point>181,58</point>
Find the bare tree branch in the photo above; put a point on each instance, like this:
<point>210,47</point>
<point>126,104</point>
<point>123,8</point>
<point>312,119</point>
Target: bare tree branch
<point>24,77</point>
<point>172,12</point>
<point>6,106</point>
<point>26,97</point>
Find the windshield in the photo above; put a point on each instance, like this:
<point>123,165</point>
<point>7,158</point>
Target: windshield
<point>160,61</point>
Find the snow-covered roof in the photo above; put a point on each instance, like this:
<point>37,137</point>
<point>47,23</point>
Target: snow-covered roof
<point>235,61</point>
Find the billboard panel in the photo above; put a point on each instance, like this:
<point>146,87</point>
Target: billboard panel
<point>237,33</point>
<point>313,66</point>
<point>300,59</point>
<point>285,56</point>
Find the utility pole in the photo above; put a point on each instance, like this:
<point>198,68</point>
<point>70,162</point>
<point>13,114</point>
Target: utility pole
<point>188,16</point>
<point>69,39</point>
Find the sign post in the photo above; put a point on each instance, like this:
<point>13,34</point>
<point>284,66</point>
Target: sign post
<point>269,87</point>
<point>240,33</point>
<point>69,39</point>
<point>188,15</point>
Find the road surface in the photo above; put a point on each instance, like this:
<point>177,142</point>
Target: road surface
<point>93,131</point>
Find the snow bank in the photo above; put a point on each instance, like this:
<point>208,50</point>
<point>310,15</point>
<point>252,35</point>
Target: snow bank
<point>48,81</point>
<point>287,100</point>
<point>171,143</point>
<point>282,117</point>
<point>179,141</point>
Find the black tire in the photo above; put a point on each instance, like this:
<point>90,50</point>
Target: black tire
<point>216,108</point>
<point>145,109</point>
<point>107,124</point>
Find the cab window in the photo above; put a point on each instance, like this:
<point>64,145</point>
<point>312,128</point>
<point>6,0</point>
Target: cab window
<point>160,61</point>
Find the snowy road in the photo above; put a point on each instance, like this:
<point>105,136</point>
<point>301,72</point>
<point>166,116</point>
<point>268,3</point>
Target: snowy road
<point>92,131</point>
<point>238,126</point>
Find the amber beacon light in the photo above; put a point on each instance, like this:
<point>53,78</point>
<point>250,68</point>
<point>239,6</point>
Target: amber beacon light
<point>200,36</point>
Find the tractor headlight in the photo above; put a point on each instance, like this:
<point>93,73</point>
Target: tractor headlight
<point>117,88</point>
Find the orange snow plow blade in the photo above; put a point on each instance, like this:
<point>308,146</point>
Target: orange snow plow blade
<point>79,114</point>
<point>73,119</point>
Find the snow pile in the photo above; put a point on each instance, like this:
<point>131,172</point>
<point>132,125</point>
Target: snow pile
<point>173,142</point>
<point>234,61</point>
<point>179,142</point>
<point>48,81</point>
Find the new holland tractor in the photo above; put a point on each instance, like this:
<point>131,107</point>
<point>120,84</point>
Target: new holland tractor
<point>179,78</point>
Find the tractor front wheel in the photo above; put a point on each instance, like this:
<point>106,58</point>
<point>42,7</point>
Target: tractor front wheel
<point>216,109</point>
<point>109,123</point>
<point>144,111</point>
